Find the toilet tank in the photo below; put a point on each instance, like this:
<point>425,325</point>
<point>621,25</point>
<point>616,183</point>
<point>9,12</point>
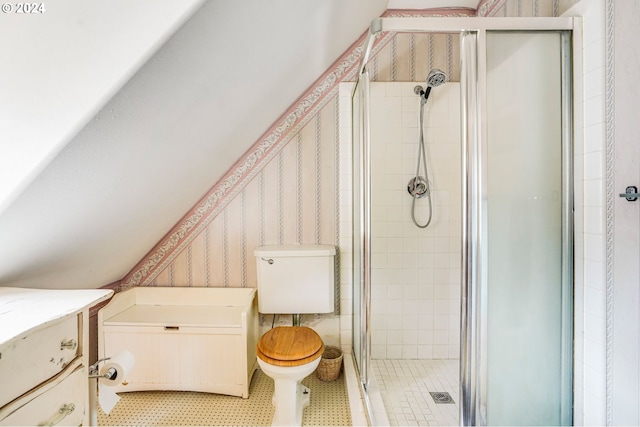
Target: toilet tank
<point>295,279</point>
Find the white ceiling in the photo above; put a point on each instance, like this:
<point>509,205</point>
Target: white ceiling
<point>98,161</point>
<point>60,67</point>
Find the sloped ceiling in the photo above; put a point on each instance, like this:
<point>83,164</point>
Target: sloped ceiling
<point>59,67</point>
<point>118,171</point>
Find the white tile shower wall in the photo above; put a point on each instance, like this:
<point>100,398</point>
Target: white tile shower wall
<point>416,272</point>
<point>590,365</point>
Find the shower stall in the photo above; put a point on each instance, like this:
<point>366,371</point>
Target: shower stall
<point>485,290</point>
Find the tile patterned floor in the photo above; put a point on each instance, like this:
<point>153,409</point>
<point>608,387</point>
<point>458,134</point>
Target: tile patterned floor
<point>329,406</point>
<point>404,387</point>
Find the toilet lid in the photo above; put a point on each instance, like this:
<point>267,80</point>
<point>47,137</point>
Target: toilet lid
<point>290,344</point>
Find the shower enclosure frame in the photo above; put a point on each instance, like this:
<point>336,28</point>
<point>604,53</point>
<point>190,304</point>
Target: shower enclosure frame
<point>473,348</point>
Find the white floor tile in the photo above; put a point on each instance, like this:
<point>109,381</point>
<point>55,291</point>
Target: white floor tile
<point>404,387</point>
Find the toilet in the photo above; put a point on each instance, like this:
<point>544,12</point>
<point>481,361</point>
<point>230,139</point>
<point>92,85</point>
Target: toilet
<point>293,279</point>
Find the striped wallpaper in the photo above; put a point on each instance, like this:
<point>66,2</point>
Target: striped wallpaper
<point>292,199</point>
<point>288,191</point>
<point>524,8</point>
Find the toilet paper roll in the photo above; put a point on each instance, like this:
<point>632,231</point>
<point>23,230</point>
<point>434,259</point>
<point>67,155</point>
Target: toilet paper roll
<point>122,363</point>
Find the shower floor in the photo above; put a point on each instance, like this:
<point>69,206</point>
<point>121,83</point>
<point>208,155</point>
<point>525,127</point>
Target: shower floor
<point>404,386</point>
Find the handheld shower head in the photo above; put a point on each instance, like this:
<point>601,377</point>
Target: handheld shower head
<point>436,77</point>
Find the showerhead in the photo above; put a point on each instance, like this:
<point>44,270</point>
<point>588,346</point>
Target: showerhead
<point>436,77</point>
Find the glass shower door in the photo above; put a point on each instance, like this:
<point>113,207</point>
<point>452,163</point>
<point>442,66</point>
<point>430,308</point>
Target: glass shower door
<point>525,251</point>
<point>518,230</point>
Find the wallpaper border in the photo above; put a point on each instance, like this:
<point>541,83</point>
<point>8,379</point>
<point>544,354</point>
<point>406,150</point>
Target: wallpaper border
<point>490,7</point>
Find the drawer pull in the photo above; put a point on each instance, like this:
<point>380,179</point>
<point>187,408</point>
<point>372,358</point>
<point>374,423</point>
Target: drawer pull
<point>172,328</point>
<point>62,413</point>
<point>68,344</point>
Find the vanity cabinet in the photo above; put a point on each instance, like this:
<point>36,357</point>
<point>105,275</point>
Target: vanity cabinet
<point>44,355</point>
<point>196,339</point>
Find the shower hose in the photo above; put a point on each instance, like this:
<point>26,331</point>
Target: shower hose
<point>422,158</point>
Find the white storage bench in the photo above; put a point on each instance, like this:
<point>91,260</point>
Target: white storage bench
<point>195,339</point>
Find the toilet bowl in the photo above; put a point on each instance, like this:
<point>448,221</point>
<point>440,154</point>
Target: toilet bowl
<point>288,354</point>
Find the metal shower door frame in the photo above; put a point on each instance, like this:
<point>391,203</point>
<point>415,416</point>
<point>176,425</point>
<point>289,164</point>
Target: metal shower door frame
<point>473,348</point>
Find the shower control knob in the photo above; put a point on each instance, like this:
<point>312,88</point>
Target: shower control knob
<point>630,193</point>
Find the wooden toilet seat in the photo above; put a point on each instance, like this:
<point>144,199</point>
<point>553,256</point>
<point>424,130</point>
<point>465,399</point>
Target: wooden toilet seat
<point>290,346</point>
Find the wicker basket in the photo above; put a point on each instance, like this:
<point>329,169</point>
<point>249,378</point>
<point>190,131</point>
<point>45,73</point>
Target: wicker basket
<point>330,364</point>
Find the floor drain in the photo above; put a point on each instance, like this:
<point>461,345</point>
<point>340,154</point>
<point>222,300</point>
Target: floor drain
<point>441,397</point>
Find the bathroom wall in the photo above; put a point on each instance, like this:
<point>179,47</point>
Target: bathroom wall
<point>293,194</point>
<point>607,298</point>
<point>522,8</point>
<point>622,169</point>
<point>590,281</point>
<point>409,57</point>
<point>415,277</point>
<point>293,199</point>
<point>594,285</point>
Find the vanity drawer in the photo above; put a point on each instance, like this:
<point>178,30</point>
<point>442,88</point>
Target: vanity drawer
<point>61,404</point>
<point>27,361</point>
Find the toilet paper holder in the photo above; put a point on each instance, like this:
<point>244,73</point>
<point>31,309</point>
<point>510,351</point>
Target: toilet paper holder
<point>101,382</point>
<point>94,372</point>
